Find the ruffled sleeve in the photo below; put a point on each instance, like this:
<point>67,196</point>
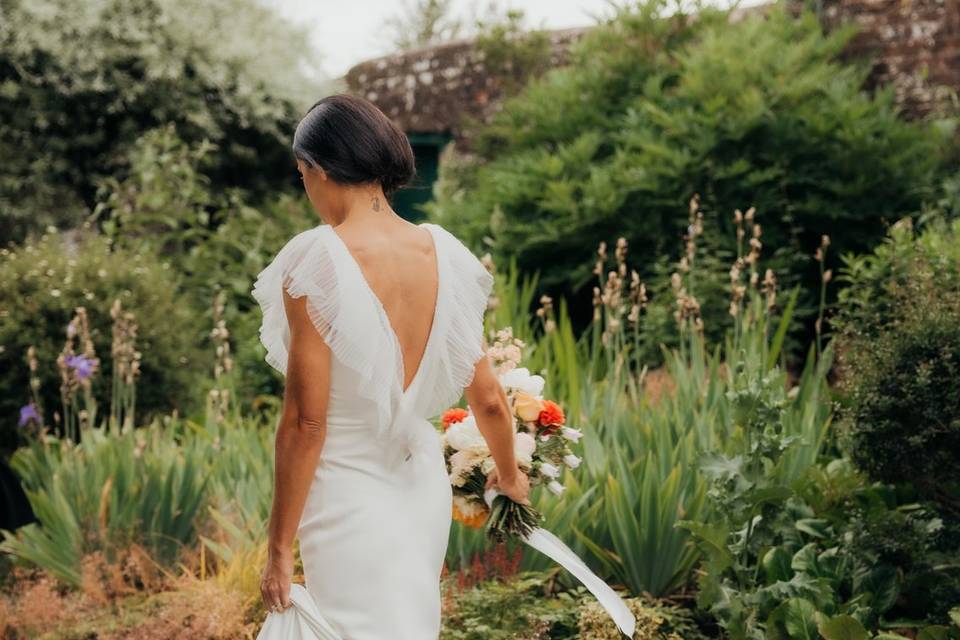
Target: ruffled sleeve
<point>466,285</point>
<point>268,292</point>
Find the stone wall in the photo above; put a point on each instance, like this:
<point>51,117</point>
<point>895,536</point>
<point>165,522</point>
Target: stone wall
<point>427,90</point>
<point>915,46</point>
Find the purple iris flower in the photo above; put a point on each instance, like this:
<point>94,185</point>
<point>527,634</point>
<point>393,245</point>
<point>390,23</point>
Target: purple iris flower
<point>28,412</point>
<point>82,366</point>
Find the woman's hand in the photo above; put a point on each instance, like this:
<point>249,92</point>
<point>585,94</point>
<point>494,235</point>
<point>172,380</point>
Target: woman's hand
<point>516,486</point>
<point>276,579</point>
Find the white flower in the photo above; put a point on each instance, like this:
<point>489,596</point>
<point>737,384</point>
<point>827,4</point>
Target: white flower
<point>555,487</point>
<point>461,463</point>
<point>521,380</point>
<point>469,508</point>
<point>571,434</point>
<point>465,435</point>
<point>487,465</point>
<point>523,447</point>
<point>549,470</point>
<point>571,461</point>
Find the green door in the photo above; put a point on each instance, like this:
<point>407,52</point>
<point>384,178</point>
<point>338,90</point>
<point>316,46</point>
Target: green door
<point>426,152</point>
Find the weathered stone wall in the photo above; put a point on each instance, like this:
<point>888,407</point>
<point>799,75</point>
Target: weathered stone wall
<point>915,46</point>
<point>427,90</point>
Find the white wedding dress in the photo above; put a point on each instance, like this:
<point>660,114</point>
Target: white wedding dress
<point>375,527</point>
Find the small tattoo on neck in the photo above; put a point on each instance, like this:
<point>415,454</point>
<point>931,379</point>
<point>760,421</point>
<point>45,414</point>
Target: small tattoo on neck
<point>376,203</point>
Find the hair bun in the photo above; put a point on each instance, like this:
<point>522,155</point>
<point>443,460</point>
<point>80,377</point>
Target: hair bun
<point>354,142</point>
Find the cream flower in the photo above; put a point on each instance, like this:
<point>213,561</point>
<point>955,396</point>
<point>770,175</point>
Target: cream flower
<point>465,435</point>
<point>462,464</point>
<point>469,508</point>
<point>523,446</point>
<point>520,379</point>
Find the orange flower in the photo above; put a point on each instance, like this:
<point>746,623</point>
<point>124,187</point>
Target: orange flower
<point>476,521</point>
<point>453,415</point>
<point>551,417</point>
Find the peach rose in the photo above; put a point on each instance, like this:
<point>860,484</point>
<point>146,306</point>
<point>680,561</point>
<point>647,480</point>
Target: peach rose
<point>526,406</point>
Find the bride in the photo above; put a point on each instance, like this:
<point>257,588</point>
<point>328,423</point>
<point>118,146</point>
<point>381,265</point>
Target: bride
<point>377,324</point>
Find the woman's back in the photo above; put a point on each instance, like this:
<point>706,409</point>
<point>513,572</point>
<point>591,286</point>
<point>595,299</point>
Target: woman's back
<point>399,265</point>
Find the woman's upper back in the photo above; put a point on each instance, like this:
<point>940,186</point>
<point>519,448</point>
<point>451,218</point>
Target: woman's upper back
<point>399,266</point>
<point>381,310</point>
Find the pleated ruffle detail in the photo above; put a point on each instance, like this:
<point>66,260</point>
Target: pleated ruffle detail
<point>465,290</point>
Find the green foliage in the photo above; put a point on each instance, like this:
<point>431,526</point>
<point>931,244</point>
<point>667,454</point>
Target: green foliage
<point>901,363</point>
<point>42,282</point>
<point>152,486</point>
<point>106,493</point>
<point>652,110</point>
<point>81,80</point>
<point>510,52</point>
<point>643,458</point>
<point>515,608</point>
<point>218,242</point>
<point>877,281</point>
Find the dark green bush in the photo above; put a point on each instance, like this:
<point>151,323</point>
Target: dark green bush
<point>904,397</point>
<point>652,110</point>
<point>900,363</point>
<point>41,284</point>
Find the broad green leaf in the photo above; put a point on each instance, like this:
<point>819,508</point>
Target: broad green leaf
<point>843,627</point>
<point>934,632</point>
<point>799,619</point>
<point>776,565</point>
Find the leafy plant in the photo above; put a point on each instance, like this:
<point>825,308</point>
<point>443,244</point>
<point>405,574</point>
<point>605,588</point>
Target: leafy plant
<point>41,285</point>
<point>757,112</point>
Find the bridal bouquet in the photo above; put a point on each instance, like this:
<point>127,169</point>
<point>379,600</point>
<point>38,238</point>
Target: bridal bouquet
<point>541,444</point>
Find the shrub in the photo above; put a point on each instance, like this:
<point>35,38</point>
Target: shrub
<point>652,110</point>
<point>42,282</point>
<point>900,363</point>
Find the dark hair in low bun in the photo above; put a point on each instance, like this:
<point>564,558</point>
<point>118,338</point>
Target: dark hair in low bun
<point>355,143</point>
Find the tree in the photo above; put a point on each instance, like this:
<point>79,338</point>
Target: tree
<point>421,23</point>
<point>82,80</point>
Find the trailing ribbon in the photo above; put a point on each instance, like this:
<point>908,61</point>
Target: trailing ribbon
<point>554,548</point>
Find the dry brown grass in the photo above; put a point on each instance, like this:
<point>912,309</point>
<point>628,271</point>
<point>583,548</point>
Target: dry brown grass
<point>127,598</point>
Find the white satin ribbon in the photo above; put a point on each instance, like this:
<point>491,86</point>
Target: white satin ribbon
<point>554,548</point>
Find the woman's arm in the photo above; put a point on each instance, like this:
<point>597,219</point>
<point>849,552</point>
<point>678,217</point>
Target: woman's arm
<point>299,440</point>
<point>488,402</point>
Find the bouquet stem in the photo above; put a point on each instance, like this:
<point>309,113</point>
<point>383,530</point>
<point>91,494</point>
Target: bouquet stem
<point>509,518</point>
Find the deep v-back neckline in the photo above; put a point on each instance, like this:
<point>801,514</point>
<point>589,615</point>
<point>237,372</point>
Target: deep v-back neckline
<point>383,311</point>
